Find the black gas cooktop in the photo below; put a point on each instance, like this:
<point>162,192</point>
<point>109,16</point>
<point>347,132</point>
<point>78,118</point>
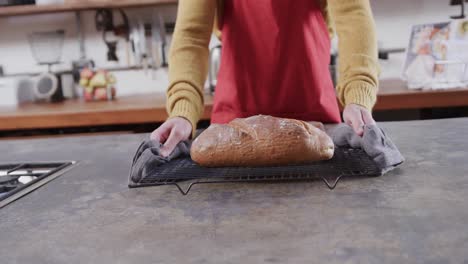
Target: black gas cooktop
<point>18,179</point>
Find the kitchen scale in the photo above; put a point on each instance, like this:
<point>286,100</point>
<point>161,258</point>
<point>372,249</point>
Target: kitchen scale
<point>46,48</point>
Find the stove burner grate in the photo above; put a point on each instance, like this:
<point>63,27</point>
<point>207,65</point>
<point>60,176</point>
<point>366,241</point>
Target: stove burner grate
<point>17,180</point>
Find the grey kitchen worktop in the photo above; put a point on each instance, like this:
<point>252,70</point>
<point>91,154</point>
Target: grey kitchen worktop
<point>417,213</point>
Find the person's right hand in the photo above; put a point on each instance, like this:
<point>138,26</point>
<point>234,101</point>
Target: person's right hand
<point>171,132</point>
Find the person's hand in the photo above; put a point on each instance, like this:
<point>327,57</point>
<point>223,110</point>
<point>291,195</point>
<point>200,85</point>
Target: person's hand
<point>357,116</point>
<point>171,132</point>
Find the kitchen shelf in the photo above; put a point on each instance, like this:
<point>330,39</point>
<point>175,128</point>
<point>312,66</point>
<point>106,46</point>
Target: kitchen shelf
<point>78,6</point>
<point>151,108</point>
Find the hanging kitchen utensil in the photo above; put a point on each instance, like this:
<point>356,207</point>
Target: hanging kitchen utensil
<point>104,21</point>
<point>149,49</point>
<point>156,40</point>
<point>162,29</point>
<point>148,41</point>
<point>143,46</point>
<point>215,63</point>
<point>135,41</point>
<point>462,7</point>
<point>82,62</point>
<point>159,37</point>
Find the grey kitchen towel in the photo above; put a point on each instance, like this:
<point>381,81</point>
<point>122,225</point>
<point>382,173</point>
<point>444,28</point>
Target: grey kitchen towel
<point>374,142</point>
<point>148,157</point>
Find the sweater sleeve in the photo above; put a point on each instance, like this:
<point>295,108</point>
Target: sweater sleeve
<point>188,59</point>
<point>357,47</point>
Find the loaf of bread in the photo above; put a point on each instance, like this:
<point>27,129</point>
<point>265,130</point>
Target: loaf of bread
<point>261,141</point>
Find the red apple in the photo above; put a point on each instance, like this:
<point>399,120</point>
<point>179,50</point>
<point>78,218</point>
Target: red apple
<point>88,96</point>
<point>86,73</point>
<point>101,93</point>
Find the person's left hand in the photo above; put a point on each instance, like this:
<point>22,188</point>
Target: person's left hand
<point>357,116</point>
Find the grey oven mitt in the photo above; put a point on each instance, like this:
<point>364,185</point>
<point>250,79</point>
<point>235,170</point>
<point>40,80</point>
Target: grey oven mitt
<point>374,142</point>
<point>147,157</point>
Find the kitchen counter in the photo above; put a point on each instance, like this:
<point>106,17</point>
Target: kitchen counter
<point>134,109</point>
<point>151,108</point>
<point>417,213</point>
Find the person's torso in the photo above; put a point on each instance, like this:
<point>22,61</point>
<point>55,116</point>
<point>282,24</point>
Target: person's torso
<point>220,10</point>
<point>275,59</point>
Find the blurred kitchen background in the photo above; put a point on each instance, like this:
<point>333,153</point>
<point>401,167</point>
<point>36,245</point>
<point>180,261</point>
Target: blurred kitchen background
<point>46,44</point>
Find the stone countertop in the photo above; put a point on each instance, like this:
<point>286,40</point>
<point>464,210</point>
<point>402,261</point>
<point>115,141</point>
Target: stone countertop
<point>417,213</point>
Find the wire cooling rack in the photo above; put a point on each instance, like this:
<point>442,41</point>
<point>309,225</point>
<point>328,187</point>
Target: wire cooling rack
<point>345,163</point>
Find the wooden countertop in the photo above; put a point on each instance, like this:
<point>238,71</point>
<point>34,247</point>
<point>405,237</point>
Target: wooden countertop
<point>135,109</point>
<point>150,108</point>
<point>393,95</point>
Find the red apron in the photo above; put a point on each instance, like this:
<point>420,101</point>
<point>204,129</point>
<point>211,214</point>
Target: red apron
<point>275,59</point>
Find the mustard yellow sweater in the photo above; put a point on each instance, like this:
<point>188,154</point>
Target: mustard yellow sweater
<point>188,59</point>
